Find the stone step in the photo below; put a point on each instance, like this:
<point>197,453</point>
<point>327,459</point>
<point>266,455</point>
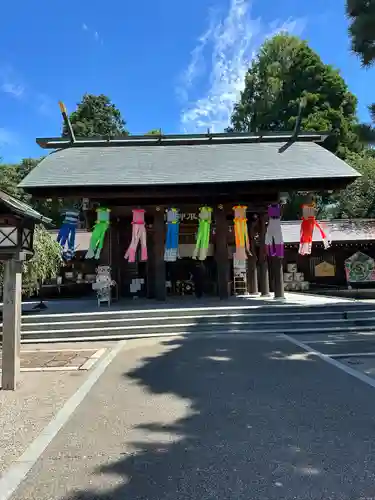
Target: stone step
<point>104,323</point>
<point>274,310</point>
<point>105,335</point>
<point>292,325</point>
<point>257,322</point>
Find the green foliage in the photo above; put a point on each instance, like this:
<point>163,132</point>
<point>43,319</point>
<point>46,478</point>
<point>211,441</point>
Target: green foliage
<point>12,174</point>
<point>366,133</point>
<point>324,206</point>
<point>47,260</point>
<point>358,199</point>
<point>96,116</point>
<point>285,71</point>
<point>45,264</point>
<point>155,131</point>
<point>10,177</point>
<point>361,14</point>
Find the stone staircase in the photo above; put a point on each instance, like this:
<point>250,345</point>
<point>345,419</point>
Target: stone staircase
<point>110,324</point>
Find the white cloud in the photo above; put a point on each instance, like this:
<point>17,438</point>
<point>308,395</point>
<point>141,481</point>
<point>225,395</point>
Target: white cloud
<point>94,34</point>
<point>13,88</point>
<point>227,48</point>
<point>196,65</point>
<point>10,83</point>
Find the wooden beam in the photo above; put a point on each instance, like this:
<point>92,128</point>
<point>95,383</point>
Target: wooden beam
<point>221,252</point>
<point>67,123</point>
<point>159,263</point>
<point>177,139</point>
<point>264,284</point>
<point>223,193</point>
<point>252,271</point>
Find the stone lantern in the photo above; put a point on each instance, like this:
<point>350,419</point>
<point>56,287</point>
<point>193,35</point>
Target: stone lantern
<point>17,223</point>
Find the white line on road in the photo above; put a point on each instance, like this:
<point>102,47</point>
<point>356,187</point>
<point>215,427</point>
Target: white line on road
<point>325,357</point>
<point>353,355</point>
<point>14,476</point>
<point>337,341</point>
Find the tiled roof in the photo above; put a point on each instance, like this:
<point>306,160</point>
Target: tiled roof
<point>18,207</point>
<point>186,164</point>
<point>338,230</point>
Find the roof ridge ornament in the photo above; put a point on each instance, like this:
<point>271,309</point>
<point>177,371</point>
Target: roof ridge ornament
<point>67,122</point>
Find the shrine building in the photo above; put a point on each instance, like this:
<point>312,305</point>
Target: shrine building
<point>155,174</point>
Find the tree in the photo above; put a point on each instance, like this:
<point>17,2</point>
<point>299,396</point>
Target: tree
<point>12,174</point>
<point>361,14</point>
<point>45,264</point>
<point>285,71</point>
<point>358,199</point>
<point>325,209</point>
<point>96,116</point>
<point>155,131</point>
<point>10,177</point>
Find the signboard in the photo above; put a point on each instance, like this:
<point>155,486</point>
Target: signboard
<point>189,216</point>
<point>360,268</point>
<point>325,270</point>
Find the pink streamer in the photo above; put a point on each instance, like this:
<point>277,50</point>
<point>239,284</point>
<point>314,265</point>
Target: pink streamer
<point>138,236</point>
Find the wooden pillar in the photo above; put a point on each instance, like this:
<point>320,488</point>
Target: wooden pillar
<point>252,272</point>
<point>159,263</point>
<point>264,284</point>
<point>221,253</point>
<point>12,298</point>
<point>278,277</point>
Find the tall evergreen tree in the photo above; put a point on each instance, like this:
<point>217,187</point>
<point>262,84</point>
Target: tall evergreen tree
<point>285,71</point>
<point>361,14</point>
<point>96,116</point>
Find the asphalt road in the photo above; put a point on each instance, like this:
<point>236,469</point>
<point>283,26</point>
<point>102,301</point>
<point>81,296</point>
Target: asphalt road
<point>214,419</point>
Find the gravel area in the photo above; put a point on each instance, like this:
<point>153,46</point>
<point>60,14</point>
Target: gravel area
<point>40,395</point>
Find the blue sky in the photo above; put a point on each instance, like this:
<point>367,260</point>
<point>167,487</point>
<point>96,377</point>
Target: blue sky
<point>170,64</point>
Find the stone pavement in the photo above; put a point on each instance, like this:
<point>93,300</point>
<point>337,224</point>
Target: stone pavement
<point>41,393</point>
<point>54,359</point>
<point>220,418</point>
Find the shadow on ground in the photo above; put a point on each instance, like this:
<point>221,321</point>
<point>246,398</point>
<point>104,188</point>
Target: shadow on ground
<point>263,423</point>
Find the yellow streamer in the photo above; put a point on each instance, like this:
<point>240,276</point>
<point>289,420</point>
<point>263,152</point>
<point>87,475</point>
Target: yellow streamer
<point>241,232</point>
